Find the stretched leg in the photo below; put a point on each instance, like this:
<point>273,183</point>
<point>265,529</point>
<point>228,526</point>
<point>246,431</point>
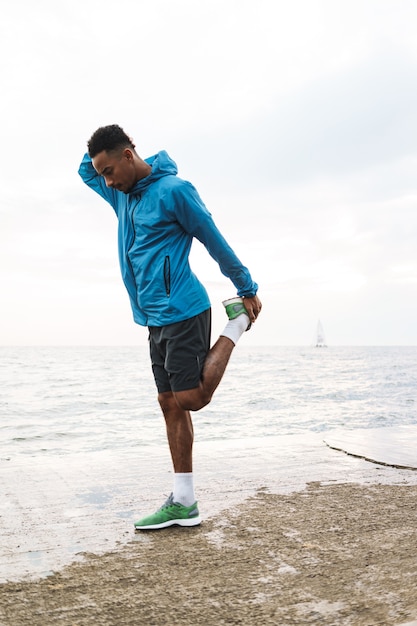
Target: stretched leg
<point>240,313</point>
<point>214,367</point>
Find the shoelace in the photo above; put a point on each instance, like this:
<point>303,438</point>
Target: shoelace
<point>169,502</point>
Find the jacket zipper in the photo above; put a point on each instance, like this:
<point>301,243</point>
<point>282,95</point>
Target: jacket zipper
<point>167,275</point>
<point>132,222</point>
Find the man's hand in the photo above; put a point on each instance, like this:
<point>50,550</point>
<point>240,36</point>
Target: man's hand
<point>253,307</point>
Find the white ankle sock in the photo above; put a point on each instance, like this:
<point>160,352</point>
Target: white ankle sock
<point>184,489</point>
<point>234,329</point>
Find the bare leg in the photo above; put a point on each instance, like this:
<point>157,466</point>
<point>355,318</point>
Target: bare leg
<point>180,432</point>
<point>215,365</point>
<point>179,426</point>
<point>214,368</point>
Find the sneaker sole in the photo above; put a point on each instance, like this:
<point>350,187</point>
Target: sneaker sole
<point>194,521</point>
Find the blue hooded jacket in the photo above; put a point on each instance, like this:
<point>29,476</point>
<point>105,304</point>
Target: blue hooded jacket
<point>158,219</point>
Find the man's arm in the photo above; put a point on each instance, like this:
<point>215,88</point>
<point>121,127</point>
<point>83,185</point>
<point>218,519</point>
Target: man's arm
<point>194,217</point>
<point>96,182</point>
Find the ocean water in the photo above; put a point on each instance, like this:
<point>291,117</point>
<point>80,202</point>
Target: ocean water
<point>83,451</point>
<point>57,401</point>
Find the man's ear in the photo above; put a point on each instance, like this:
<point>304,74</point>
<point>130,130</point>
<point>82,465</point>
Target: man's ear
<point>128,154</point>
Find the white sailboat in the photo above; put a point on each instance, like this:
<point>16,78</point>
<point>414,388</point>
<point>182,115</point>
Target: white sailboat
<point>320,337</point>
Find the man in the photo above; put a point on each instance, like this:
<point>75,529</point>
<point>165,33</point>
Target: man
<point>159,215</point>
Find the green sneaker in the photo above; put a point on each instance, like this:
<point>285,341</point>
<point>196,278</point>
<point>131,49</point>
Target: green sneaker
<point>235,307</point>
<point>170,514</point>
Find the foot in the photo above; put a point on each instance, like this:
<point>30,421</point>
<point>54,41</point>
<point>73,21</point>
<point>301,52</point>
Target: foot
<point>170,514</point>
<point>235,307</point>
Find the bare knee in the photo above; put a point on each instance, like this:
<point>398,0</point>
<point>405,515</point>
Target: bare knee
<point>192,399</point>
<point>167,402</point>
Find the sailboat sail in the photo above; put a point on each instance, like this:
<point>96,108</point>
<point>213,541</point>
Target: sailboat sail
<point>320,338</point>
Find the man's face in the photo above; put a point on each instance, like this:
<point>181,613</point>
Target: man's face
<point>117,169</point>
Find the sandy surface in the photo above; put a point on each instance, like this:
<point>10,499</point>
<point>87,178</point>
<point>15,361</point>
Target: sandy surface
<point>331,554</point>
<point>294,533</point>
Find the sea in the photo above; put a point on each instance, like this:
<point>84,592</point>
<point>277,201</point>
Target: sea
<point>58,401</point>
<point>83,449</point>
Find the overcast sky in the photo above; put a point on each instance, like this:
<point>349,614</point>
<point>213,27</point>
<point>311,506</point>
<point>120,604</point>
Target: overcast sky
<point>296,121</point>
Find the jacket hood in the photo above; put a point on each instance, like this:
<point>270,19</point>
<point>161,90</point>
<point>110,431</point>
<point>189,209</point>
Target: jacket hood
<point>162,165</point>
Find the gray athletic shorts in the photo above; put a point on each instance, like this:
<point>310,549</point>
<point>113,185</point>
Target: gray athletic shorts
<point>178,352</point>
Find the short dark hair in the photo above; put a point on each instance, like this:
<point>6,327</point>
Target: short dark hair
<point>108,138</point>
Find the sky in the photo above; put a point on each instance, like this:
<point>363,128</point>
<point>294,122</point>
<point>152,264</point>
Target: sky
<point>296,121</point>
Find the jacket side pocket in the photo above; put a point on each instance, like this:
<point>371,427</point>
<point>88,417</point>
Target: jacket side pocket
<point>167,275</point>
